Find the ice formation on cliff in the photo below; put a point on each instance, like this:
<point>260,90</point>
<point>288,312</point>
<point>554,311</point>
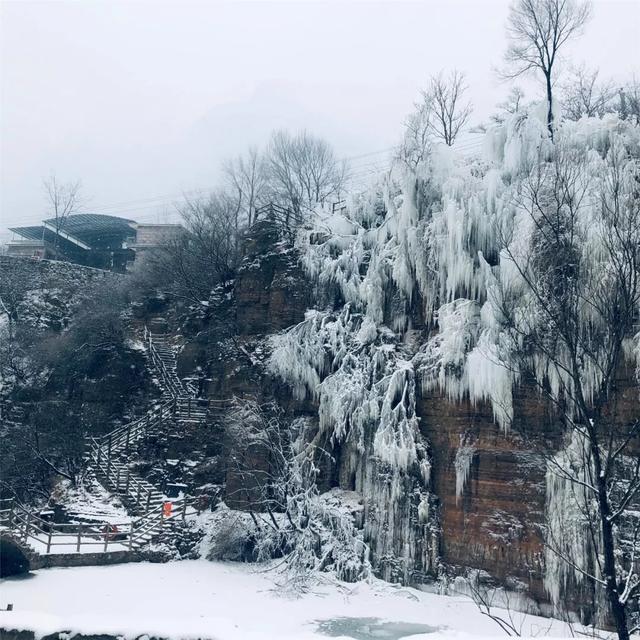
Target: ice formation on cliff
<point>446,245</point>
<point>366,392</point>
<point>462,463</point>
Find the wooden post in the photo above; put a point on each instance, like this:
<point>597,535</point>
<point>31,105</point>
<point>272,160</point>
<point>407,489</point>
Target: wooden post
<point>26,525</point>
<point>79,537</point>
<point>109,457</point>
<point>107,532</point>
<point>49,540</point>
<point>118,481</point>
<point>98,455</point>
<point>130,537</point>
<point>184,508</point>
<point>138,493</point>
<point>126,487</point>
<point>11,508</point>
<point>148,500</point>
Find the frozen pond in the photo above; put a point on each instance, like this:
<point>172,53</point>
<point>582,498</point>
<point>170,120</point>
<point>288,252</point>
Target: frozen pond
<point>372,629</point>
<point>200,600</point>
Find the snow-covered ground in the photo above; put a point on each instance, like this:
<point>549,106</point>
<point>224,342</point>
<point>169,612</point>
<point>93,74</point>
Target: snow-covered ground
<point>92,503</point>
<point>228,601</point>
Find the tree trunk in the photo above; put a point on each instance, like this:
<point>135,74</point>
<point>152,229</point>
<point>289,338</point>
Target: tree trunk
<point>549,105</point>
<point>618,610</point>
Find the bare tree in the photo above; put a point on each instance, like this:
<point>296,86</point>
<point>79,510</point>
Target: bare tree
<point>444,100</point>
<point>277,483</point>
<point>583,95</point>
<point>416,141</point>
<point>206,254</point>
<point>629,106</point>
<point>538,30</point>
<point>569,337</point>
<point>513,103</point>
<point>498,603</point>
<point>302,170</point>
<point>247,178</point>
<point>63,200</point>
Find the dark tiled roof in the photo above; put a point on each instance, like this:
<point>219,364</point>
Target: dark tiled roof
<point>89,228</point>
<point>30,233</point>
<point>81,221</point>
<point>38,234</point>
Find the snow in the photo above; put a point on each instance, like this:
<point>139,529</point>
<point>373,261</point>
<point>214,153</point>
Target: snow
<point>228,601</point>
<point>91,503</point>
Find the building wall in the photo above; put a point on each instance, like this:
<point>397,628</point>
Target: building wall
<point>27,250</point>
<point>156,234</point>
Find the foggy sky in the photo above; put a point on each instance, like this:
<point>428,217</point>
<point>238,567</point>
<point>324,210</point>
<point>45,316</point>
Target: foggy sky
<point>142,100</point>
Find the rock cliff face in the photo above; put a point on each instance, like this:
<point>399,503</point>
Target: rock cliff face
<point>494,525</point>
<point>487,485</point>
<point>397,329</point>
<point>271,293</point>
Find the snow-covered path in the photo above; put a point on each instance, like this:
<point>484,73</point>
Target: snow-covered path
<point>226,601</point>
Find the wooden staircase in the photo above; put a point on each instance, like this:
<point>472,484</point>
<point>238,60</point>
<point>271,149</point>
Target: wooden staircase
<point>108,457</point>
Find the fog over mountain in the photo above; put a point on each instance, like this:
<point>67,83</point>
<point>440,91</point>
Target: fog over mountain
<point>141,101</point>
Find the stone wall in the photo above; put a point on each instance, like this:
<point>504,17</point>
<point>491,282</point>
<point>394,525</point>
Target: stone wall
<point>42,271</point>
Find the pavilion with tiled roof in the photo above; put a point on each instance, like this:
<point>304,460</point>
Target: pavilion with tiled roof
<point>91,239</point>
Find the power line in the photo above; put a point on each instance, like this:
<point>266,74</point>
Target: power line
<point>358,175</point>
<point>151,199</point>
<point>371,153</point>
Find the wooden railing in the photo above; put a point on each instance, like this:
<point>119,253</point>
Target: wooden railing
<point>121,438</point>
<point>170,381</point>
<point>103,452</point>
<point>137,491</point>
<point>285,221</point>
<point>339,206</point>
<point>44,537</point>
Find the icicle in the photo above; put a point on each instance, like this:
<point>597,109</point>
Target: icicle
<point>569,549</point>
<point>462,464</point>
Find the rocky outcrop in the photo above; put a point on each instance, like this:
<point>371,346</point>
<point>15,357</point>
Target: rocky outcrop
<point>271,292</point>
<point>493,521</point>
<point>14,559</point>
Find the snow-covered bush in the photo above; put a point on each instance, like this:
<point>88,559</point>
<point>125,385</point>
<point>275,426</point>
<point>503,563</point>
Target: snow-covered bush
<point>289,518</point>
<point>227,535</point>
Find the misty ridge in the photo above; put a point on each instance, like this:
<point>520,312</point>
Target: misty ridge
<point>320,319</point>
